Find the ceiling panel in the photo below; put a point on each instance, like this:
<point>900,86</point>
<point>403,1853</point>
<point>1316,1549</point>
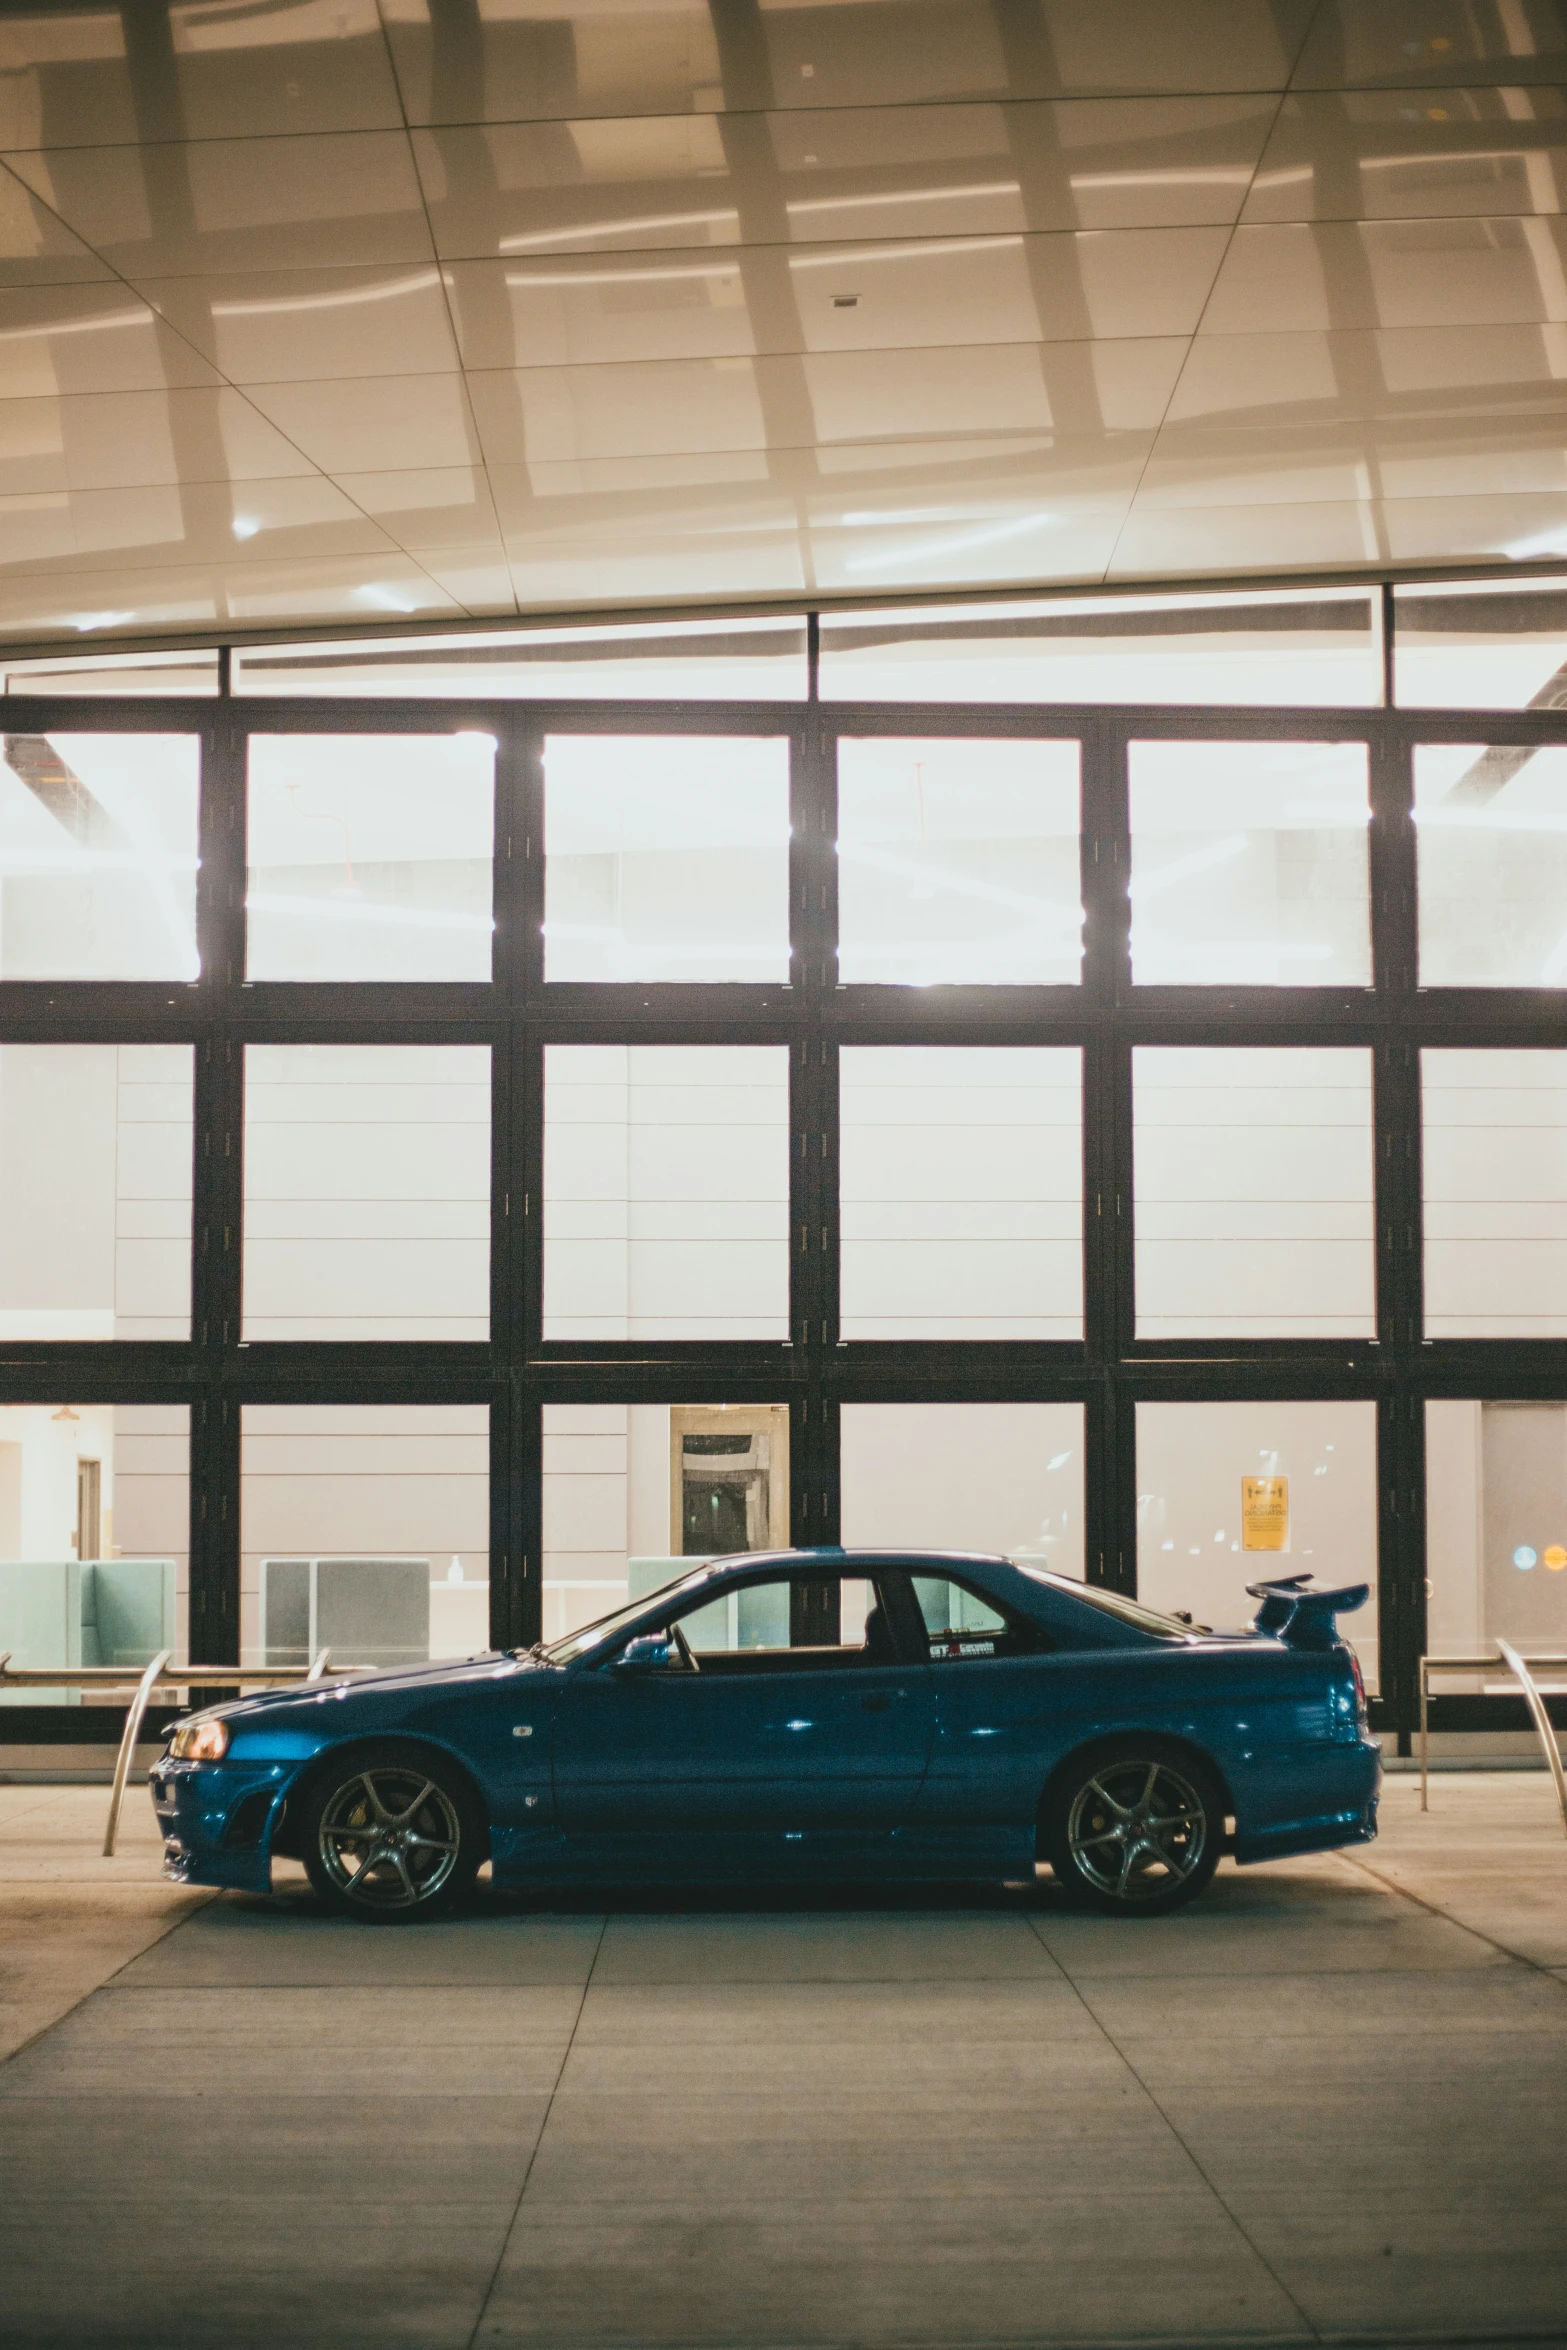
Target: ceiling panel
<point>325,309</point>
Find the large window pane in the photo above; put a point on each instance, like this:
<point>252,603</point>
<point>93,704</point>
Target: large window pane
<point>94,1538</point>
<point>666,857</point>
<point>958,862</point>
<point>666,1191</point>
<point>370,856</point>
<point>367,1191</point>
<point>364,1529</point>
<point>98,856</point>
<point>95,1190</point>
<point>1494,1155</point>
<point>1496,1535</point>
<point>1313,649</point>
<point>1235,1493</point>
<point>650,661</point>
<point>1249,864</point>
<point>1254,1210</point>
<point>962,1189</point>
<point>1481,645</point>
<point>966,1476</point>
<point>1492,825</point>
<point>635,1492</point>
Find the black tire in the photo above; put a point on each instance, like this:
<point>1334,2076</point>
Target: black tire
<point>1135,1827</point>
<point>391,1834</point>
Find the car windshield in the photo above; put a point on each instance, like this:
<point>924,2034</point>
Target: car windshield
<point>1112,1604</point>
<point>591,1636</point>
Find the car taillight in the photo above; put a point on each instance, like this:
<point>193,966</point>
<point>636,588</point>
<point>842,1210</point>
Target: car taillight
<point>1360,1684</point>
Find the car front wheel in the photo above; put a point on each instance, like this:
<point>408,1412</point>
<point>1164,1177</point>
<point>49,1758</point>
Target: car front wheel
<point>391,1834</point>
<point>1136,1829</point>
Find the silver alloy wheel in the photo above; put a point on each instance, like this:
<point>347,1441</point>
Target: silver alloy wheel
<point>389,1838</point>
<point>1137,1830</point>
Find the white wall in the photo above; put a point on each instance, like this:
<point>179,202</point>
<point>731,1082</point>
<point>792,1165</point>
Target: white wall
<point>95,1191</point>
<point>367,1191</point>
<point>666,1191</point>
<point>987,1476</point>
<point>1495,1174</point>
<point>367,1481</point>
<point>962,1174</point>
<point>606,1500</point>
<point>151,1493</point>
<point>1254,1208</point>
<point>586,1507</point>
<point>1191,1458</point>
<point>1455,1586</point>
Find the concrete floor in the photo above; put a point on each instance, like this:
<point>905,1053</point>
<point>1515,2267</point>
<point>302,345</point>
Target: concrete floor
<point>1325,2103</point>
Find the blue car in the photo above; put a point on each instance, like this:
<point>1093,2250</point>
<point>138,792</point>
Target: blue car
<point>803,1715</point>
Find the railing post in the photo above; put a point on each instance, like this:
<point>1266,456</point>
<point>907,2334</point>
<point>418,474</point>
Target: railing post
<point>133,1721</point>
<point>1542,1722</point>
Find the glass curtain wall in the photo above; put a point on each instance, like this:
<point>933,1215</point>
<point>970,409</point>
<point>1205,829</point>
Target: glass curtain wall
<point>486,1118</point>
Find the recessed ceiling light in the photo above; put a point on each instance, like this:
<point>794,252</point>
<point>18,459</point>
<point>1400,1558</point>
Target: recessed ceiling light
<point>245,526</point>
<point>86,620</point>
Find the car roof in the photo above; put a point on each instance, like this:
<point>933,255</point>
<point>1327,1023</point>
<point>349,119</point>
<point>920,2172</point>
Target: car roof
<point>838,1556</point>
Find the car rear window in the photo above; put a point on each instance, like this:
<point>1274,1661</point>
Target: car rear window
<point>1111,1603</point>
<point>960,1624</point>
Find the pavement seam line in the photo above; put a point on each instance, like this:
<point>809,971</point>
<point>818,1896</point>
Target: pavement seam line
<point>549,2107</point>
<point>1433,1909</point>
<point>43,2031</point>
<point>1222,2201</point>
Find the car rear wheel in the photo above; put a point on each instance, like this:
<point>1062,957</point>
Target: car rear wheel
<point>391,1834</point>
<point>1136,1828</point>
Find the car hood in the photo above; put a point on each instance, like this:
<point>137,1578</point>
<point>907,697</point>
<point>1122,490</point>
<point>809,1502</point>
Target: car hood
<point>452,1673</point>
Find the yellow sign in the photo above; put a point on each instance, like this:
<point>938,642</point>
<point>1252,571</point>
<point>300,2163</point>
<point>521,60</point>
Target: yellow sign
<point>1265,1513</point>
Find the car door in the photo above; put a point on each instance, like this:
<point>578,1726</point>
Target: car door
<point>761,1734</point>
<point>996,1686</point>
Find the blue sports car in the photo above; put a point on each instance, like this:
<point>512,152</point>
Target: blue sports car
<point>803,1715</point>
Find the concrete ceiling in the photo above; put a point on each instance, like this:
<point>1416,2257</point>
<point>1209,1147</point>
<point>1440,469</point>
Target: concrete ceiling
<point>313,311</point>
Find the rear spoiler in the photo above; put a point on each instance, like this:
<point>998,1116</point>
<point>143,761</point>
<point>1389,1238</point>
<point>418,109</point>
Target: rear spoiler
<point>1302,1618</point>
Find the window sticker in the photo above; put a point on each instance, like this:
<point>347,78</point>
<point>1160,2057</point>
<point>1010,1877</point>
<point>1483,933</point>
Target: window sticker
<point>950,1648</point>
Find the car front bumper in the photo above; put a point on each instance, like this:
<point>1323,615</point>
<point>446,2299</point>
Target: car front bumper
<point>218,1820</point>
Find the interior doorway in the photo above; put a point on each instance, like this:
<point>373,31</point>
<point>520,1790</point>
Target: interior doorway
<point>89,1509</point>
<point>729,1478</point>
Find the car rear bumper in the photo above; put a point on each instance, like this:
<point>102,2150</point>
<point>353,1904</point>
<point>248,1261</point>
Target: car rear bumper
<point>1344,1797</point>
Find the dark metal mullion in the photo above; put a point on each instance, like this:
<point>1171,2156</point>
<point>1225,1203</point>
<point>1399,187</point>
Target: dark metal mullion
<point>1110,1478</point>
<point>1399,1224</point>
<point>217,1202</point>
<point>516,1513</point>
<point>813,1191</point>
<point>1401,1565</point>
<point>214,1622</point>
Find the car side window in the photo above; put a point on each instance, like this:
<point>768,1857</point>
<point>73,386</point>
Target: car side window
<point>750,1629</point>
<point>960,1624</point>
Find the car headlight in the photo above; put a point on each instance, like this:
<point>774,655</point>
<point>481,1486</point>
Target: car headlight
<point>204,1740</point>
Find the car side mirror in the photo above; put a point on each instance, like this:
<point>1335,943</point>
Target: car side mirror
<point>649,1653</point>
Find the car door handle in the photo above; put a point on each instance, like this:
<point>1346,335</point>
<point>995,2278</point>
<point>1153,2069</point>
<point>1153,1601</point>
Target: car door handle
<point>876,1705</point>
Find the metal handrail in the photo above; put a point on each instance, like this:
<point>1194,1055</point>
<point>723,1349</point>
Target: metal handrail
<point>1542,1722</point>
<point>1532,1697</point>
<point>165,1673</point>
<point>122,1761</point>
